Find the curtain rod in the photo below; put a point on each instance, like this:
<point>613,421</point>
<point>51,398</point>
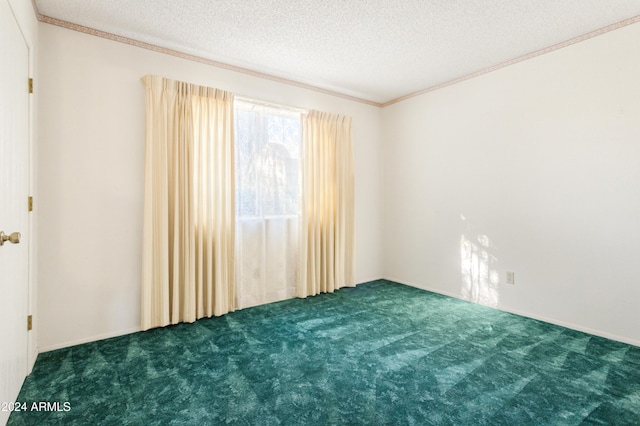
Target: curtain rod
<point>271,104</point>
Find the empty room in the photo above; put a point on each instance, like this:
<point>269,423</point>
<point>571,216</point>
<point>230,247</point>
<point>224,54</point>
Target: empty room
<point>341,212</point>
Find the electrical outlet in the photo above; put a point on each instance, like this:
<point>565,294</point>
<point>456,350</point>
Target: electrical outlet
<point>511,277</point>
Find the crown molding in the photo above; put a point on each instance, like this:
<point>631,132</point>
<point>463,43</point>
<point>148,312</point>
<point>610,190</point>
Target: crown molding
<point>525,57</point>
<point>194,58</point>
<point>148,46</point>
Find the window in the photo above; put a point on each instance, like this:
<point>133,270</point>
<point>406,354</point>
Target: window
<point>267,155</point>
<point>267,161</point>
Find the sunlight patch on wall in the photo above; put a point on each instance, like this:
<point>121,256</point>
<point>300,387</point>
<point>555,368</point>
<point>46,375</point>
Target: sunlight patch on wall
<point>478,262</point>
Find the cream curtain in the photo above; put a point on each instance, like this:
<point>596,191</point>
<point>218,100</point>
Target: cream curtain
<point>189,204</point>
<point>327,218</point>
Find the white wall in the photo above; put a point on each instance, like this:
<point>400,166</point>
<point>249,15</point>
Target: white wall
<point>542,159</point>
<point>91,176</point>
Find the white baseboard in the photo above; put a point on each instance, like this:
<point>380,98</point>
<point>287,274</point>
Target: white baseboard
<point>553,321</point>
<point>87,340</point>
<point>367,280</point>
<point>587,330</point>
<point>422,287</point>
<point>57,346</point>
<point>32,360</point>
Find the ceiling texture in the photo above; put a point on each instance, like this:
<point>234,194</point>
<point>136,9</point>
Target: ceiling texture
<point>378,51</point>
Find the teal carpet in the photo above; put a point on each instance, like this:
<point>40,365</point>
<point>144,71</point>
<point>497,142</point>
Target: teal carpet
<point>381,353</point>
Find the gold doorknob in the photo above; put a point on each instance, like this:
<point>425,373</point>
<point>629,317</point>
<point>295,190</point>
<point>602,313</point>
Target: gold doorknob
<point>14,238</point>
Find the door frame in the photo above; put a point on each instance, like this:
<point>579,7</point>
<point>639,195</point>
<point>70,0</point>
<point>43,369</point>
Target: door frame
<point>26,18</point>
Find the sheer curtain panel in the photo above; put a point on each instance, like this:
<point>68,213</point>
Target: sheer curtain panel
<point>327,219</point>
<point>189,203</point>
<point>268,142</point>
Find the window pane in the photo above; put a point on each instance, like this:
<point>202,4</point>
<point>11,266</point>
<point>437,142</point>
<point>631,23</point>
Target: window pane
<point>245,146</point>
<point>268,145</point>
<point>268,162</point>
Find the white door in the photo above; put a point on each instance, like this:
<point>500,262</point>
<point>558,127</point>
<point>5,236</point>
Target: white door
<point>14,187</point>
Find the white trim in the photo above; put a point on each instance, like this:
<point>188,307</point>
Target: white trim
<point>133,42</point>
<point>368,280</point>
<point>190,57</point>
<point>422,287</point>
<point>88,340</point>
<point>513,61</point>
<point>598,333</point>
<point>587,330</point>
<point>32,360</point>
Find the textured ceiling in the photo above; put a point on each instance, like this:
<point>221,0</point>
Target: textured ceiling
<point>375,50</point>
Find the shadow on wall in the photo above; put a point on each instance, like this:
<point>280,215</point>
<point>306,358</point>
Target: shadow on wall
<point>478,263</point>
